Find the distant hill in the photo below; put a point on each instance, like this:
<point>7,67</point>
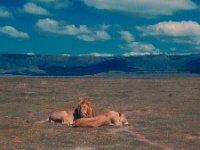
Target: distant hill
<point>57,65</point>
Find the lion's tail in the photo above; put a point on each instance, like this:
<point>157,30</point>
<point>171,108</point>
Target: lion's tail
<point>42,121</point>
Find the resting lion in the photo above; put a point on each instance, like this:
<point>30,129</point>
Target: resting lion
<point>109,118</point>
<point>84,109</point>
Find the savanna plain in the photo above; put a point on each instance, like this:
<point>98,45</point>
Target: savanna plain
<point>163,114</point>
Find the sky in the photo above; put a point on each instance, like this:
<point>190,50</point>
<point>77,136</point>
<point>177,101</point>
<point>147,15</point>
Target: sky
<point>100,27</point>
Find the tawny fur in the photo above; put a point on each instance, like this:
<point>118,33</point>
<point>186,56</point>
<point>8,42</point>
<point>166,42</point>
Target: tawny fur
<point>109,118</point>
<point>84,109</point>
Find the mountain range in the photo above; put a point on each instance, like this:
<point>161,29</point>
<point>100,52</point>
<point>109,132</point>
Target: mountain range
<point>58,65</point>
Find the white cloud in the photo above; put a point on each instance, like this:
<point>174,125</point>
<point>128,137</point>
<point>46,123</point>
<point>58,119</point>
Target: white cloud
<point>55,4</point>
<point>32,8</point>
<point>138,48</point>
<point>146,8</point>
<point>4,13</point>
<point>135,48</point>
<point>137,54</point>
<point>83,32</point>
<point>172,28</point>
<point>73,30</point>
<point>102,35</point>
<point>12,32</point>
<point>183,32</point>
<point>65,55</point>
<point>104,26</point>
<point>127,36</point>
<point>97,35</point>
<point>86,37</point>
<point>101,54</point>
<point>53,26</point>
<point>30,54</point>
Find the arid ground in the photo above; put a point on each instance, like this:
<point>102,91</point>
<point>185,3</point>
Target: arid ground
<point>163,114</point>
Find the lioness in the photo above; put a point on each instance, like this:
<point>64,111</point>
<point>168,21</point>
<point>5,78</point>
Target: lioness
<point>109,118</point>
<point>84,109</point>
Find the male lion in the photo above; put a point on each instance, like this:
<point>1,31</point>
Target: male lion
<point>109,118</point>
<point>84,109</point>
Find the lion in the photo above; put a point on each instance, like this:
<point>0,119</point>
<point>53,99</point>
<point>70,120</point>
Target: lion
<point>110,118</point>
<point>84,109</point>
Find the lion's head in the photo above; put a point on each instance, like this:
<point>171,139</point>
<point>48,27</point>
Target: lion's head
<point>117,118</point>
<point>123,119</point>
<point>84,109</point>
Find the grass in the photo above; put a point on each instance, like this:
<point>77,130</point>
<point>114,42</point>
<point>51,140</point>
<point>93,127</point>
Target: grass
<point>162,113</point>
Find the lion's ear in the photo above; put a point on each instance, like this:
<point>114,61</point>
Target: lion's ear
<point>120,114</point>
<point>88,102</point>
<point>81,101</point>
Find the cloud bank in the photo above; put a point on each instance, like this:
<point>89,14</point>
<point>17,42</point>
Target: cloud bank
<point>101,54</point>
<point>12,32</point>
<point>127,36</point>
<point>54,4</point>
<point>32,8</point>
<point>172,28</point>
<point>83,32</point>
<point>145,8</point>
<point>135,47</point>
<point>184,32</point>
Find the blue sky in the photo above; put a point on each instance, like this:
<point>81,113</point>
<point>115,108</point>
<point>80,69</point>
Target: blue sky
<point>100,27</point>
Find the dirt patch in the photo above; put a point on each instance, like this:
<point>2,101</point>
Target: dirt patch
<point>146,110</point>
<point>138,137</point>
<point>191,137</point>
<point>83,148</point>
<point>117,130</point>
<point>149,109</point>
<point>17,140</point>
